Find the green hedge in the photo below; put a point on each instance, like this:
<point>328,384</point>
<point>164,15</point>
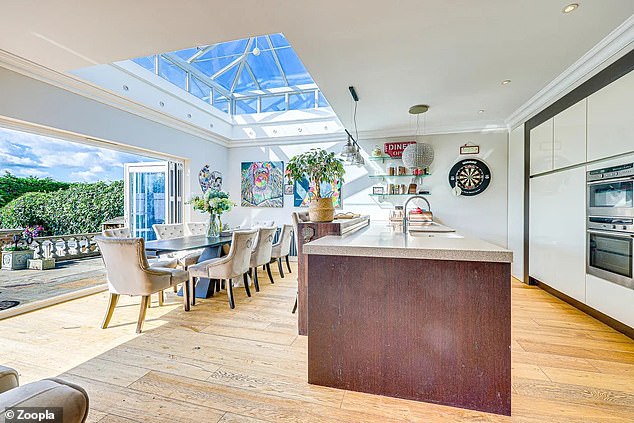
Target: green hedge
<point>12,187</point>
<point>79,209</point>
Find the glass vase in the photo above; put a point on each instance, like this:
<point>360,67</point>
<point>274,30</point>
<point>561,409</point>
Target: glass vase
<point>214,226</point>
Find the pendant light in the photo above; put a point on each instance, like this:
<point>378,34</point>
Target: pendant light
<point>419,155</point>
<point>352,150</point>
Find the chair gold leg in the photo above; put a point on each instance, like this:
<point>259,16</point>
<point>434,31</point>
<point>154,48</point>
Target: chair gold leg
<point>112,303</point>
<point>145,301</point>
<point>161,296</point>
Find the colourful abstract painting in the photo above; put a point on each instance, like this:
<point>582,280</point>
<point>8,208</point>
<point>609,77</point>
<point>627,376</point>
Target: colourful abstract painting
<point>304,192</point>
<point>262,184</point>
<point>209,179</point>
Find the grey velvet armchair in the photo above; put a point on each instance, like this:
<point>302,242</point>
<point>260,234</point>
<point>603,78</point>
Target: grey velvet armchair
<point>44,393</point>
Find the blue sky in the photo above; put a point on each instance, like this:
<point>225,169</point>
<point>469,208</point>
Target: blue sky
<point>24,154</point>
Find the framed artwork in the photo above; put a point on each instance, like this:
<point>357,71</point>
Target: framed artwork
<point>377,190</point>
<point>262,184</point>
<point>288,189</point>
<point>303,193</point>
<point>209,179</point>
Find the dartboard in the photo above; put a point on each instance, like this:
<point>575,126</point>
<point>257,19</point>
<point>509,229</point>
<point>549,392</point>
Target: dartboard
<point>472,176</point>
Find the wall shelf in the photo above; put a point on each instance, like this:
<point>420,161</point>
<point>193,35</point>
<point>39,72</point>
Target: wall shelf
<point>383,158</point>
<point>396,176</point>
<point>396,195</point>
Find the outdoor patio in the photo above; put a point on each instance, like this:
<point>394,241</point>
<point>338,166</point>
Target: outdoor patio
<point>29,286</point>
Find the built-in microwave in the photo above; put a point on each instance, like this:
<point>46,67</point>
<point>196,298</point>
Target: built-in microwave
<point>610,249</point>
<point>611,191</point>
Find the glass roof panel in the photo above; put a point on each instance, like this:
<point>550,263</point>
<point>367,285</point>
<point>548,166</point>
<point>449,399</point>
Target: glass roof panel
<point>240,68</point>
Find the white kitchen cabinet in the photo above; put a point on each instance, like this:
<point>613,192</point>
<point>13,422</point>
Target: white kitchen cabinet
<point>542,148</point>
<point>611,119</point>
<point>609,298</point>
<point>569,136</point>
<point>558,232</point>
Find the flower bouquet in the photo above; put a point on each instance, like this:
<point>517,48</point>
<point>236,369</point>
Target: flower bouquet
<point>215,203</point>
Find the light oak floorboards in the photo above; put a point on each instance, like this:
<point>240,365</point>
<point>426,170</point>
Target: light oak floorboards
<point>248,365</point>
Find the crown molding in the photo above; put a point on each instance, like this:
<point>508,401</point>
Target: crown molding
<point>438,130</point>
<point>93,92</point>
<point>616,41</point>
<point>296,139</point>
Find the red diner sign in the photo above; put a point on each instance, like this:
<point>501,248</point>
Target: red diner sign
<point>395,149</point>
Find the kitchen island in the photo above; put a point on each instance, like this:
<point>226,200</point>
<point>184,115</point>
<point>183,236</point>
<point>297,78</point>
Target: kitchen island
<point>424,316</point>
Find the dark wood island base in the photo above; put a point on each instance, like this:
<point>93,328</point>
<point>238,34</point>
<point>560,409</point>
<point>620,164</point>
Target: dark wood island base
<point>437,331</point>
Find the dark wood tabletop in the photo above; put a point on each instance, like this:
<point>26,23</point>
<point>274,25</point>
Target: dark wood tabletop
<point>185,243</point>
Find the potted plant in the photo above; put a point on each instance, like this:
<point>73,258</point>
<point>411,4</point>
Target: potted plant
<point>215,203</point>
<point>16,256</point>
<point>318,166</point>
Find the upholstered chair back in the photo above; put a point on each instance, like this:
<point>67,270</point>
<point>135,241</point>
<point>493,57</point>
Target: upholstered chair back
<point>197,228</point>
<point>283,246</point>
<point>116,233</point>
<point>241,247</point>
<point>169,231</point>
<point>297,218</point>
<point>261,254</point>
<point>127,269</point>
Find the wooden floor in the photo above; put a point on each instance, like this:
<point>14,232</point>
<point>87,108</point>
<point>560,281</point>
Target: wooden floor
<point>248,365</point>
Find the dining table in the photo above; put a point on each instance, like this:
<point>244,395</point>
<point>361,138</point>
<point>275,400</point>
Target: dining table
<point>211,246</point>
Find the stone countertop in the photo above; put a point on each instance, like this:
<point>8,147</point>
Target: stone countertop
<point>384,240</point>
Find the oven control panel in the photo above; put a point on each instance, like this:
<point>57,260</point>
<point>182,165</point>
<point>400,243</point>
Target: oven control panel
<point>613,172</point>
<point>620,224</point>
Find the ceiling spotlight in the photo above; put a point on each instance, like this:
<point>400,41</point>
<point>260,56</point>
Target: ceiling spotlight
<point>570,8</point>
<point>506,82</point>
<point>481,111</point>
<point>162,104</point>
<point>126,88</point>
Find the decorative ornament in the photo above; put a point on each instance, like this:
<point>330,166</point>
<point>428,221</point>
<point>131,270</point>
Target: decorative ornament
<point>470,177</point>
<point>209,179</point>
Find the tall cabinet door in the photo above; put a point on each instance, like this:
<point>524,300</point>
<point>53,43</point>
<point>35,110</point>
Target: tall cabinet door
<point>557,231</point>
<point>611,119</point>
<point>542,148</point>
<point>569,132</point>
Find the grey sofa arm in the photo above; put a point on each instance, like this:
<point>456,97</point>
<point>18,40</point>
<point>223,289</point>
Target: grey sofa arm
<point>8,379</point>
<point>49,393</point>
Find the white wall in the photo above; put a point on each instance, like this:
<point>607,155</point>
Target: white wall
<point>483,216</point>
<point>516,201</point>
<point>33,101</point>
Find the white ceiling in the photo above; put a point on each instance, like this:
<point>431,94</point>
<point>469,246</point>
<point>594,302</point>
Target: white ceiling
<point>449,54</point>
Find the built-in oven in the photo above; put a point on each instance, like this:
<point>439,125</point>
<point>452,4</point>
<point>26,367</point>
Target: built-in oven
<point>610,244</point>
<point>611,191</point>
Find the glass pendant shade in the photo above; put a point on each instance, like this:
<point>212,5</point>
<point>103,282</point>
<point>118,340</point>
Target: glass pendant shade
<point>418,156</point>
<point>348,150</point>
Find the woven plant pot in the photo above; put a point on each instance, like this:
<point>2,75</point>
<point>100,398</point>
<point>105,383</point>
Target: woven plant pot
<point>321,210</point>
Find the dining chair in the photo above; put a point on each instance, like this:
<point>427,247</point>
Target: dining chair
<point>197,228</point>
<point>298,217</point>
<point>225,269</point>
<point>154,261</point>
<point>177,230</point>
<point>261,255</point>
<point>129,273</point>
<point>282,248</point>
